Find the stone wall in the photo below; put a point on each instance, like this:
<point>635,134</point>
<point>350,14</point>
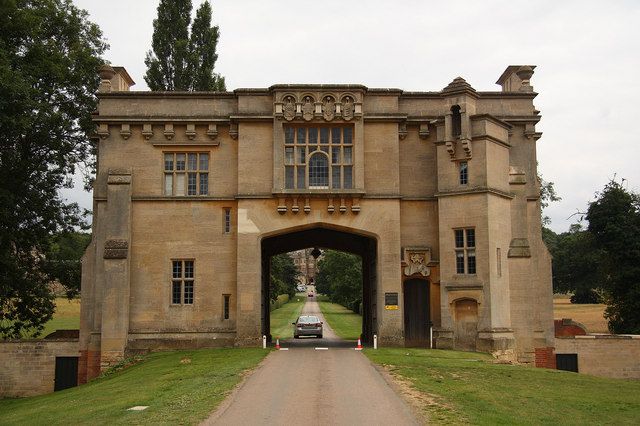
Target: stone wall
<point>606,355</point>
<point>28,366</point>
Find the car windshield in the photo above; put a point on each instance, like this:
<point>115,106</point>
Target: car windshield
<point>308,319</point>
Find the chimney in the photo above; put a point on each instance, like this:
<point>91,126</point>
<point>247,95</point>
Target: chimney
<point>517,78</point>
<point>114,79</point>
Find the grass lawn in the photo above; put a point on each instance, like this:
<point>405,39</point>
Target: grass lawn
<point>468,388</point>
<point>179,388</point>
<point>590,315</point>
<point>282,318</point>
<point>346,323</point>
<point>66,317</point>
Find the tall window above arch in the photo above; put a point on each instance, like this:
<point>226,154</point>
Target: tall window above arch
<point>318,157</point>
<point>318,171</point>
<point>456,121</point>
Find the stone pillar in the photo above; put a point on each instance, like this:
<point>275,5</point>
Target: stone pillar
<point>115,307</point>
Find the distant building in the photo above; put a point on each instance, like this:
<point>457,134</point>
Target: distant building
<point>436,191</point>
<point>307,264</point>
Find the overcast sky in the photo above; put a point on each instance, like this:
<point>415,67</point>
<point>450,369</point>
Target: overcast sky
<point>587,55</point>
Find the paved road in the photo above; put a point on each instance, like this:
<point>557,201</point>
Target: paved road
<point>304,386</point>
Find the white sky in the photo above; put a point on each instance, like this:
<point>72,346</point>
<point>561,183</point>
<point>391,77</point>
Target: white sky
<point>587,53</point>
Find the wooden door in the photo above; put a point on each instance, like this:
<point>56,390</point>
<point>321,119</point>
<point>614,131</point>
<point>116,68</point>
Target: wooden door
<point>66,372</point>
<point>466,328</point>
<point>416,313</point>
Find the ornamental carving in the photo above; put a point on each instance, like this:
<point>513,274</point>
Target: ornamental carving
<point>348,108</point>
<point>417,262</point>
<point>328,108</point>
<point>116,249</point>
<point>289,108</point>
<point>307,108</point>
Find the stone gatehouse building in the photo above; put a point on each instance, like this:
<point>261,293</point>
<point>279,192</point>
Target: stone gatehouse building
<point>437,192</point>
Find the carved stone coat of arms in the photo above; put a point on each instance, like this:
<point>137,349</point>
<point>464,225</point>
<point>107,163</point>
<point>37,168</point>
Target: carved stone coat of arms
<point>289,108</point>
<point>347,108</point>
<point>307,109</point>
<point>328,108</point>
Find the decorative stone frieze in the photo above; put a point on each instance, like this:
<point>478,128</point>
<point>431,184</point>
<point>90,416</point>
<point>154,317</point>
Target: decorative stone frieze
<point>328,108</point>
<point>119,177</point>
<point>519,247</point>
<point>517,176</point>
<point>307,108</point>
<point>116,249</point>
<point>288,108</point>
<point>348,108</point>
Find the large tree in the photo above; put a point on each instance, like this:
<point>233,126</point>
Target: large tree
<point>614,223</point>
<point>179,61</point>
<point>284,276</point>
<point>49,56</point>
<point>340,277</point>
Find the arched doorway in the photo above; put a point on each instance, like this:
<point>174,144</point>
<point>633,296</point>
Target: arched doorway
<point>327,238</point>
<point>417,320</point>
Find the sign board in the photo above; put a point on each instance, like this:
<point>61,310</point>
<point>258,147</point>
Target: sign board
<point>391,301</point>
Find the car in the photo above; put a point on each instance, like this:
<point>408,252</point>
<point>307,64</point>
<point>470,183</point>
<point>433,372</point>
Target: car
<point>310,294</point>
<point>307,325</point>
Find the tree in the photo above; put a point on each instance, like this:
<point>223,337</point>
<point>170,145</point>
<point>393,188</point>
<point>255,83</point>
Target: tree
<point>179,61</point>
<point>340,277</point>
<point>575,265</point>
<point>63,259</point>
<point>202,52</point>
<point>614,222</point>
<point>49,56</point>
<point>284,276</point>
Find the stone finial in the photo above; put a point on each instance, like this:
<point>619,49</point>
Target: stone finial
<point>525,73</point>
<point>458,85</point>
<point>106,73</point>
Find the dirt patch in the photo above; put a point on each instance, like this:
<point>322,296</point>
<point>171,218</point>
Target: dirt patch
<point>428,408</point>
<point>591,315</point>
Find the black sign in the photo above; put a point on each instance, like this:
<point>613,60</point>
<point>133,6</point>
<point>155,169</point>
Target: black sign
<point>391,299</point>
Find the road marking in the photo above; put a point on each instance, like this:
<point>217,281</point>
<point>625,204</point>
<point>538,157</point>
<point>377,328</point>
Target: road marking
<point>322,349</point>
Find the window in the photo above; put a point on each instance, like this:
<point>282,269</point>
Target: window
<point>226,298</point>
<point>318,157</point>
<point>464,172</point>
<point>456,121</point>
<point>182,283</point>
<point>227,220</point>
<point>465,247</point>
<point>186,173</point>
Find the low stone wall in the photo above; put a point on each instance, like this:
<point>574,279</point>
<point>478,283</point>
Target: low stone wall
<point>28,366</point>
<point>606,355</point>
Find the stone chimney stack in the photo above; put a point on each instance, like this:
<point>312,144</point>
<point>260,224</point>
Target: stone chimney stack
<point>517,78</point>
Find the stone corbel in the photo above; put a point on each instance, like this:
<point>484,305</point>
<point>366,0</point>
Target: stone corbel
<point>212,132</point>
<point>282,205</point>
<point>307,206</point>
<point>355,205</point>
<point>466,147</point>
<point>169,133</point>
<point>233,130</point>
<point>330,207</point>
<point>343,206</point>
<point>424,131</point>
<point>402,130</point>
<point>103,131</point>
<point>451,149</point>
<point>147,131</point>
<point>191,131</point>
<point>125,131</point>
<point>295,208</point>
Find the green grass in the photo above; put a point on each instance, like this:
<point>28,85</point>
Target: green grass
<point>66,316</point>
<point>468,388</point>
<point>282,318</point>
<point>344,322</point>
<point>176,391</point>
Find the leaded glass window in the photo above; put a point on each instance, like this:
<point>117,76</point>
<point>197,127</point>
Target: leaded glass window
<point>186,173</point>
<point>318,157</point>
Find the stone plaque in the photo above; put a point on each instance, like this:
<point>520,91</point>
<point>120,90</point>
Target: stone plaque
<point>116,249</point>
<point>391,301</point>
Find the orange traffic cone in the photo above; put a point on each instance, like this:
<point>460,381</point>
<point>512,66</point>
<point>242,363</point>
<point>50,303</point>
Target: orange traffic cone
<point>359,347</point>
<point>278,343</point>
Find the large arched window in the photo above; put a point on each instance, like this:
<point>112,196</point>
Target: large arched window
<point>319,171</point>
<point>318,157</point>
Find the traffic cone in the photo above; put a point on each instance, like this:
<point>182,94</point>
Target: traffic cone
<point>359,347</point>
<point>278,343</point>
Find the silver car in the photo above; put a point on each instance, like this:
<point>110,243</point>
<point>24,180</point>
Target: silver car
<point>307,325</point>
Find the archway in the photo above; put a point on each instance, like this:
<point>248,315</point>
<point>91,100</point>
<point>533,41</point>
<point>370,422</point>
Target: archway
<point>327,238</point>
